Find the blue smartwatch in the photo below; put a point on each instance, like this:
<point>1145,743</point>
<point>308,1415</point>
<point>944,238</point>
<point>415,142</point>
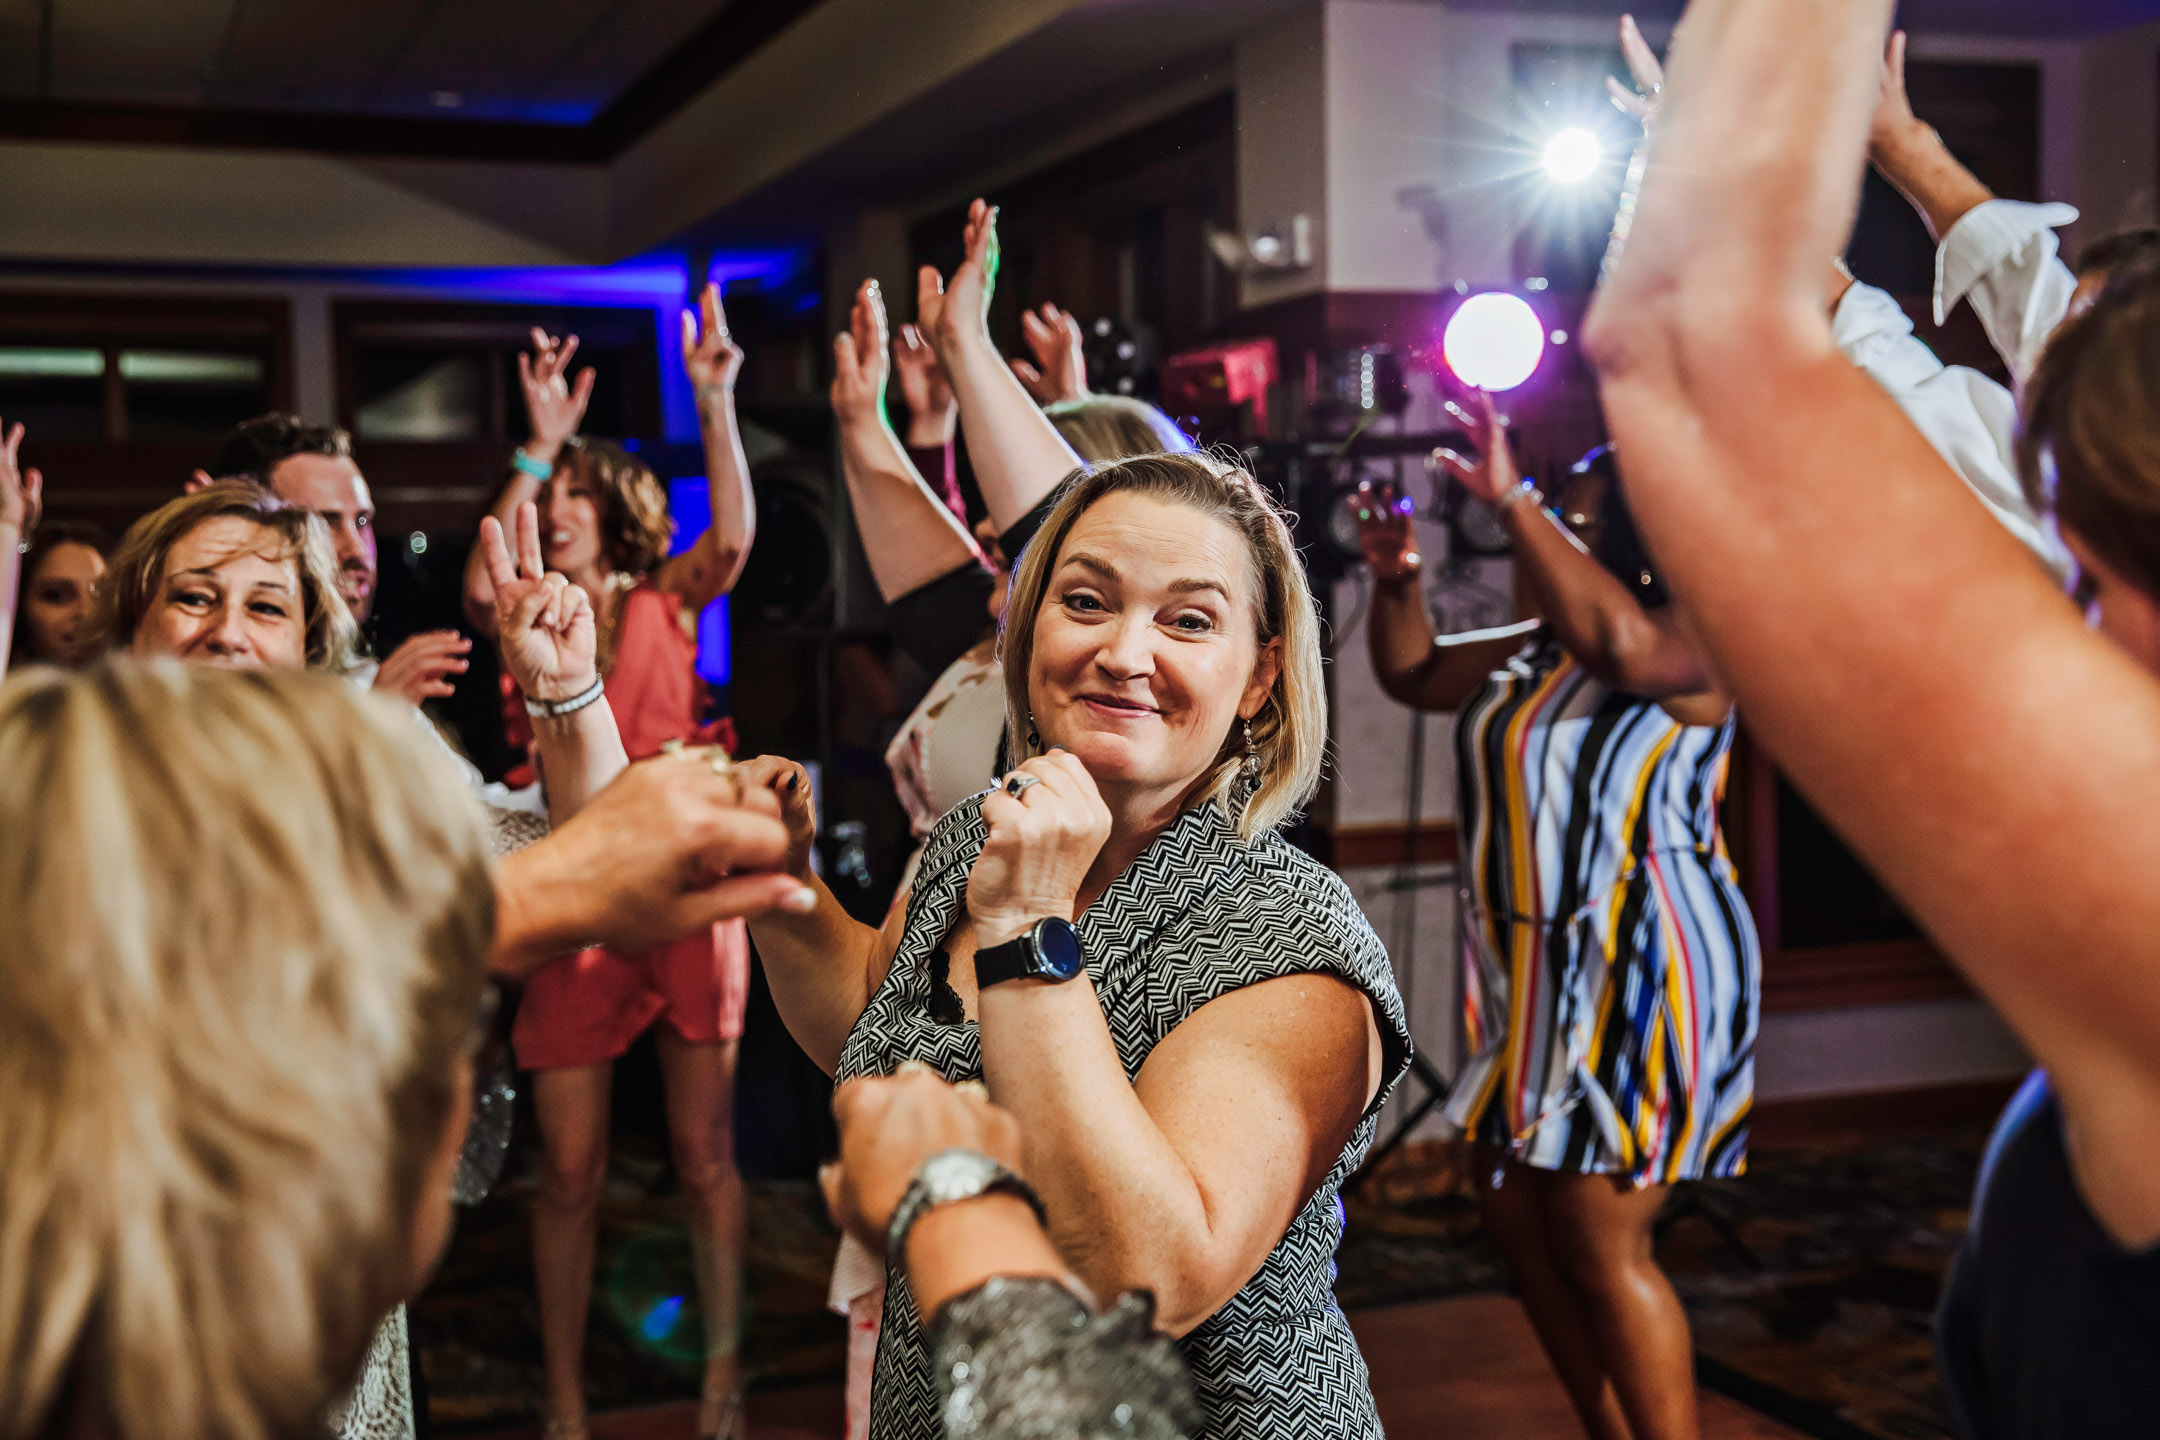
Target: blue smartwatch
<point>1047,950</point>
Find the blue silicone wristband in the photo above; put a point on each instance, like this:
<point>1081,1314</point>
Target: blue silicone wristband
<point>525,464</point>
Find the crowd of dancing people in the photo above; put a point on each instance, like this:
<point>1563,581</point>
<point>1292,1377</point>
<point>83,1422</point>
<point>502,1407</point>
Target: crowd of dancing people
<point>1116,1046</point>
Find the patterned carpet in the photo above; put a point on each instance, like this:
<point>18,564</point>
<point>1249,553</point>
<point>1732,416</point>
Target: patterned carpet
<point>1811,1282</point>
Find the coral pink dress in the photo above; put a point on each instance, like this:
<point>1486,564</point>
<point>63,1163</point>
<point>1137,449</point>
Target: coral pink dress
<point>586,1009</point>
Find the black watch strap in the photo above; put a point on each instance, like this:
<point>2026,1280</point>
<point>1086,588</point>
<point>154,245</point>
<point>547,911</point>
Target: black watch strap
<point>1047,950</point>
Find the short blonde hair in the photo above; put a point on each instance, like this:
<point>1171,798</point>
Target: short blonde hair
<point>247,919</point>
<point>1115,427</point>
<point>137,569</point>
<point>1290,730</point>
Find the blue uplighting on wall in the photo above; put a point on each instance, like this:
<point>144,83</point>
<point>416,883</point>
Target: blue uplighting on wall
<point>690,504</point>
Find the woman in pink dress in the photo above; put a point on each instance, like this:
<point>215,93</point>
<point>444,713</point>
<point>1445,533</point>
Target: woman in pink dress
<point>604,526</point>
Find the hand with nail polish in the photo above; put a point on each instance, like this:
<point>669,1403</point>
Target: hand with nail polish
<point>789,785</point>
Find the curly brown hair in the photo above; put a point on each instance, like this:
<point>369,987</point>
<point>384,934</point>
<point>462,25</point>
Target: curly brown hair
<point>634,524</point>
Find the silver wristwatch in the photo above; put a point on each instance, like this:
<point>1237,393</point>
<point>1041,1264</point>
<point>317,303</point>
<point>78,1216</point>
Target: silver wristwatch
<point>944,1178</point>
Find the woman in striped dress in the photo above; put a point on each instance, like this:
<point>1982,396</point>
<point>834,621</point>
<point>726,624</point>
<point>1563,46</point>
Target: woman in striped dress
<point>1611,972</point>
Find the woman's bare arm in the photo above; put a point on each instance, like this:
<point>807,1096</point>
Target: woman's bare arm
<point>1413,663</point>
<point>909,537</point>
<point>1895,649</point>
<point>823,964</point>
<point>554,408</point>
<point>1018,455</point>
<point>709,568</point>
<point>1182,1181</point>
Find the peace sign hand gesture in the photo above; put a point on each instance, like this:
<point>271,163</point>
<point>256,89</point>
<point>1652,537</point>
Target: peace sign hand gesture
<point>543,623</point>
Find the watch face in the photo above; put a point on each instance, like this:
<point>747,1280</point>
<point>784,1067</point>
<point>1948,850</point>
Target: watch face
<point>1058,945</point>
<point>953,1175</point>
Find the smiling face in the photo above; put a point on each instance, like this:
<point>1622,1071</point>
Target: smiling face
<point>570,538</point>
<point>1146,649</point>
<point>229,595</point>
<point>56,599</point>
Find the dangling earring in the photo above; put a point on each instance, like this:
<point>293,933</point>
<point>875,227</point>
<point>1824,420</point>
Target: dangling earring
<point>1252,754</point>
<point>1034,736</point>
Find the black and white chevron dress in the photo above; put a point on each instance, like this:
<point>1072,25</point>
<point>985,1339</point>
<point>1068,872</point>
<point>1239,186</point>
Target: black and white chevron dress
<point>1199,914</point>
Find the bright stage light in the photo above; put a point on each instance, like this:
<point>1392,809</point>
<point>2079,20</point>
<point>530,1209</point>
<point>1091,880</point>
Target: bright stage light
<point>1493,341</point>
<point>1572,156</point>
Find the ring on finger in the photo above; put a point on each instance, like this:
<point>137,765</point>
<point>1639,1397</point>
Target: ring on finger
<point>1017,783</point>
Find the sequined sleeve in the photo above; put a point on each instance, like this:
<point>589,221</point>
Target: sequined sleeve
<point>1023,1359</point>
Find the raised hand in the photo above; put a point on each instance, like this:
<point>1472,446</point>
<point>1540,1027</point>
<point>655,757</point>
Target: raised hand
<point>932,410</point>
<point>1059,371</point>
<point>22,492</point>
<point>1386,532</point>
<point>859,364</point>
<point>420,669</point>
<point>710,357</point>
<point>958,314</point>
<point>543,623</point>
<point>1492,476</point>
<point>789,785</point>
<point>1039,848</point>
<point>1893,120</point>
<point>553,402</point>
<point>1643,100</point>
<point>889,1126</point>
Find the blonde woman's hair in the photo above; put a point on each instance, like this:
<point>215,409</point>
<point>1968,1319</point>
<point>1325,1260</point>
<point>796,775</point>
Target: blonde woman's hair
<point>247,918</point>
<point>137,569</point>
<point>1115,427</point>
<point>635,529</point>
<point>1290,730</point>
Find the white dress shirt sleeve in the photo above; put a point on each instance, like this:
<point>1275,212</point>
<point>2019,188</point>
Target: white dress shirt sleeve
<point>2002,256</point>
<point>1969,419</point>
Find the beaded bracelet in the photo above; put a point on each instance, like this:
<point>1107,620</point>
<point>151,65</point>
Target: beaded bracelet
<point>556,709</point>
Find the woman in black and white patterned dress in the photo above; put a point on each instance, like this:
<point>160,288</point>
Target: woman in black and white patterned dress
<point>1198,1079</point>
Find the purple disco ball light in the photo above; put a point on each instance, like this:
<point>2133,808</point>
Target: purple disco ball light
<point>1493,341</point>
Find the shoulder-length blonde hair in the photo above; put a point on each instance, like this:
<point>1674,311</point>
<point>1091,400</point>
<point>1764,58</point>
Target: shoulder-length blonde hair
<point>137,569</point>
<point>635,529</point>
<point>1290,730</point>
<point>247,918</point>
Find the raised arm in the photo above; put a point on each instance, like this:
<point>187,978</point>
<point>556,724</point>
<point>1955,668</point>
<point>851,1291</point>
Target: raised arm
<point>1999,254</point>
<point>1911,155</point>
<point>909,537</point>
<point>554,408</point>
<point>1597,619</point>
<point>544,626</point>
<point>710,567</point>
<point>1018,455</point>
<point>1415,665</point>
<point>1894,648</point>
<point>22,492</point>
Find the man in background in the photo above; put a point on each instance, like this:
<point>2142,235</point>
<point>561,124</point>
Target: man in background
<point>311,467</point>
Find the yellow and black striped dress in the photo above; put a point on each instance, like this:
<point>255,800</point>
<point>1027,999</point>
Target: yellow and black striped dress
<point>1612,979</point>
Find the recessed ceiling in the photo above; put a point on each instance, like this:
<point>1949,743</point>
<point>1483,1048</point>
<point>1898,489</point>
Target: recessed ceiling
<point>546,61</point>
